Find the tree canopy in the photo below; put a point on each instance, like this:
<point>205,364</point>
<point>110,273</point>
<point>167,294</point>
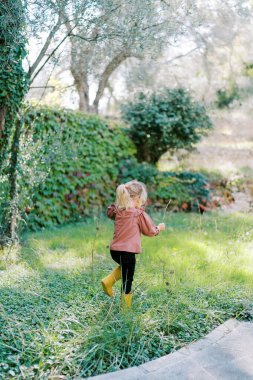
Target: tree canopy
<point>169,120</point>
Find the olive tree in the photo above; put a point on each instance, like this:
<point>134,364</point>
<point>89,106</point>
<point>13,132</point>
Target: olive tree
<point>208,57</point>
<point>121,30</point>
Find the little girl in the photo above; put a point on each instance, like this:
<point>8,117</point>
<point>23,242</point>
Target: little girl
<point>130,221</point>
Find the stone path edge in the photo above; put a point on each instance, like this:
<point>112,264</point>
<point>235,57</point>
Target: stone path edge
<point>172,358</point>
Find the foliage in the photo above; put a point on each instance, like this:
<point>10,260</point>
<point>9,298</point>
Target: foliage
<point>70,165</point>
<point>182,190</point>
<point>56,321</point>
<point>132,169</point>
<point>166,121</point>
<point>107,33</point>
<point>187,190</point>
<point>14,85</point>
<point>79,155</point>
<point>248,69</point>
<point>13,79</point>
<point>225,97</point>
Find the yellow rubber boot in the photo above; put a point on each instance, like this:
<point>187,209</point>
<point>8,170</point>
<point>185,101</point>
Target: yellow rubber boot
<point>110,280</point>
<point>127,300</point>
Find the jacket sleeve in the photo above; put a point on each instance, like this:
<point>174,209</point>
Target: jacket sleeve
<point>147,226</point>
<point>111,211</point>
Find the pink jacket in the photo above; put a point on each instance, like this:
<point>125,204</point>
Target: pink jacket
<point>128,226</point>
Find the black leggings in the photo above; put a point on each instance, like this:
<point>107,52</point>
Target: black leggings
<point>127,262</point>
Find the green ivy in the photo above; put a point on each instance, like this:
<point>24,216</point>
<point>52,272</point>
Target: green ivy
<point>13,79</point>
<point>79,156</point>
<point>13,87</point>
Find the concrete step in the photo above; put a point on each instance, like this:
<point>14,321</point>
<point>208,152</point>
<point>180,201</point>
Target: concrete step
<point>224,354</point>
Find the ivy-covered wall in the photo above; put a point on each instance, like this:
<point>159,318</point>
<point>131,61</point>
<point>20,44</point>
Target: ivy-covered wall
<point>78,156</point>
<point>72,164</point>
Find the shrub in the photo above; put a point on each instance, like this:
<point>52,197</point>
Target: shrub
<point>80,155</point>
<point>248,69</point>
<point>185,190</point>
<point>132,169</point>
<point>167,121</point>
<point>182,190</point>
<point>226,96</point>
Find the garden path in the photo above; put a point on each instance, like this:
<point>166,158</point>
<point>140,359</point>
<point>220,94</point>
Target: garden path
<point>224,354</point>
<point>242,203</point>
<point>228,148</point>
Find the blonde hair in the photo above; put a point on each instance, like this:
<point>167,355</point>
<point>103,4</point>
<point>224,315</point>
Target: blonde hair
<point>133,190</point>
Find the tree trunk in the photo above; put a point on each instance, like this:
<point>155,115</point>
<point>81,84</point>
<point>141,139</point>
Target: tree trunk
<point>109,69</point>
<point>13,210</point>
<point>2,139</point>
<point>14,84</point>
<point>83,93</point>
<point>2,119</point>
<point>77,68</point>
<point>3,111</point>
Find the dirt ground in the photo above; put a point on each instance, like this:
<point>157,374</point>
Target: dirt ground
<point>227,149</point>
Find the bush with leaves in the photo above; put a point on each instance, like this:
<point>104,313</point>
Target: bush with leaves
<point>166,121</point>
<point>182,190</point>
<point>188,191</point>
<point>79,156</point>
<point>225,97</point>
<point>142,171</point>
<point>71,164</point>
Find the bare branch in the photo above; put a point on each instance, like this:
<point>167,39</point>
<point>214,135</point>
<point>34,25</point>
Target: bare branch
<point>155,25</point>
<point>44,48</point>
<point>61,20</point>
<point>53,87</point>
<point>165,2</point>
<point>182,55</point>
<point>84,38</point>
<point>51,55</point>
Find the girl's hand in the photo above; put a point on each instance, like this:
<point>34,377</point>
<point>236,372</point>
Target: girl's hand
<point>161,226</point>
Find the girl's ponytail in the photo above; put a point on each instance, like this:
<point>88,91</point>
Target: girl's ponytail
<point>123,199</point>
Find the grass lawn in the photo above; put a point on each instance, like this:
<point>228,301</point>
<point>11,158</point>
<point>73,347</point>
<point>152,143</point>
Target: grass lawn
<point>56,320</point>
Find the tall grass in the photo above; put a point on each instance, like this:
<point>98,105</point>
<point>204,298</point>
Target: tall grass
<point>56,320</point>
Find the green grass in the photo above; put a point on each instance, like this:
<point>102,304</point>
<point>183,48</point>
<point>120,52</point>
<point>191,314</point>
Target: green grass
<point>55,319</point>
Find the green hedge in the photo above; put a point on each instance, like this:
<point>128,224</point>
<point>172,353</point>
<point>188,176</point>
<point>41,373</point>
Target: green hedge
<point>74,162</point>
<point>79,155</point>
<point>182,190</point>
<point>187,190</point>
